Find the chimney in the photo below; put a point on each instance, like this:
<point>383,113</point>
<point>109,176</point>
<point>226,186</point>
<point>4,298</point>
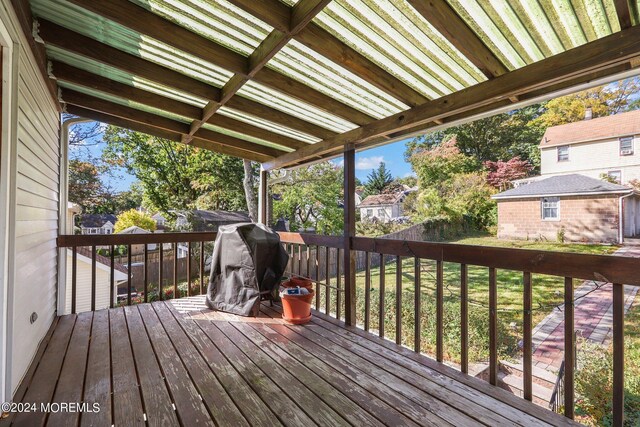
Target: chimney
<point>588,113</point>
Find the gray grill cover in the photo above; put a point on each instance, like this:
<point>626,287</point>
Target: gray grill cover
<point>248,260</point>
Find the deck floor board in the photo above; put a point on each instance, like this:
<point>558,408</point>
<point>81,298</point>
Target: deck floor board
<point>179,363</point>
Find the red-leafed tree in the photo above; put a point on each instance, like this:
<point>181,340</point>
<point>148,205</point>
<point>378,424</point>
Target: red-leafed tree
<point>502,173</point>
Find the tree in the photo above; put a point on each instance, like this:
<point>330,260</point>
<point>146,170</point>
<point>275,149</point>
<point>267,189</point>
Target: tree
<point>439,163</point>
<point>502,173</point>
<point>85,187</point>
<point>132,218</point>
<point>309,198</point>
<point>377,180</point>
<point>603,101</point>
<point>176,176</point>
<point>250,190</point>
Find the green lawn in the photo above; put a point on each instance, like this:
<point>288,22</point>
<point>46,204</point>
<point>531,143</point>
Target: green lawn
<point>485,240</point>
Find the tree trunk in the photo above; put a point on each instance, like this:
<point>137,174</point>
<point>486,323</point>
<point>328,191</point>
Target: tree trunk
<point>250,190</point>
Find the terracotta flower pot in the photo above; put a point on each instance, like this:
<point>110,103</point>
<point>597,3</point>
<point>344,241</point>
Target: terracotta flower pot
<point>294,282</point>
<point>296,309</point>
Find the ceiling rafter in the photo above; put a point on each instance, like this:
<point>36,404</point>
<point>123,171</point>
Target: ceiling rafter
<point>607,53</point>
<point>625,13</point>
<point>448,23</point>
<point>302,13</point>
<point>87,47</point>
<point>157,27</point>
<point>67,73</point>
<point>161,133</point>
<point>82,100</point>
<point>321,41</point>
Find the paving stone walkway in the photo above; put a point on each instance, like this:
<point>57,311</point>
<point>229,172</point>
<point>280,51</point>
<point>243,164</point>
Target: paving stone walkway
<point>593,319</point>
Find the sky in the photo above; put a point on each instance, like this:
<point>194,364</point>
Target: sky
<point>391,154</point>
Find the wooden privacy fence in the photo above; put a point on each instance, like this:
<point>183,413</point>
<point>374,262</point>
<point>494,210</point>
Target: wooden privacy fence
<point>168,266</point>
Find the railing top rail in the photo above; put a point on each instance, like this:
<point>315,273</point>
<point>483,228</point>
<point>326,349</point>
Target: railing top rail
<point>71,240</point>
<point>312,239</point>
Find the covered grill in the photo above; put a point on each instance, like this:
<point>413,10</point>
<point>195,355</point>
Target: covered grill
<point>248,262</point>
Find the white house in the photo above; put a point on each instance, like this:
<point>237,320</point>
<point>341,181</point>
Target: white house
<point>97,223</point>
<point>383,207</point>
<point>593,147</point>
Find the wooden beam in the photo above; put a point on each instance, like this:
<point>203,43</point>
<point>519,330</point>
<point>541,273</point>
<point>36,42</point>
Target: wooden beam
<point>71,41</point>
<point>160,133</point>
<point>263,197</point>
<point>323,42</point>
<point>448,23</point>
<point>266,50</point>
<point>609,53</point>
<point>349,256</point>
<point>25,18</point>
<point>153,120</point>
<point>623,10</point>
<point>77,76</point>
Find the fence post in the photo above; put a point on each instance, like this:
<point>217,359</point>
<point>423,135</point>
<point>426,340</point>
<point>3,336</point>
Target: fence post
<point>349,232</point>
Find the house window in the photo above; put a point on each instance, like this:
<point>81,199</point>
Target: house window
<point>626,146</point>
<point>369,212</point>
<point>615,176</point>
<point>563,153</point>
<point>550,208</point>
<point>381,212</point>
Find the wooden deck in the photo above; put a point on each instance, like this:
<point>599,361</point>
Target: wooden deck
<point>177,363</point>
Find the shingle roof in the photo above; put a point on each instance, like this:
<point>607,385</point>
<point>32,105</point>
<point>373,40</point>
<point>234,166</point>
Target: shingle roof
<point>86,251</point>
<point>563,184</point>
<point>623,124</point>
<point>96,220</point>
<point>134,229</point>
<point>381,199</point>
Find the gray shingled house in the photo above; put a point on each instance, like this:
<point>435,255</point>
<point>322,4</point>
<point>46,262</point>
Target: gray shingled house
<point>569,207</point>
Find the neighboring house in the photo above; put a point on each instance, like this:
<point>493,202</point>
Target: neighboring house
<point>383,207</point>
<point>199,220</point>
<point>574,206</point>
<point>161,222</point>
<point>592,147</point>
<point>83,280</point>
<point>138,249</point>
<point>97,223</point>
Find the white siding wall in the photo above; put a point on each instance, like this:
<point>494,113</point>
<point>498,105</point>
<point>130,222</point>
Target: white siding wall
<point>592,159</point>
<point>83,282</point>
<point>33,211</point>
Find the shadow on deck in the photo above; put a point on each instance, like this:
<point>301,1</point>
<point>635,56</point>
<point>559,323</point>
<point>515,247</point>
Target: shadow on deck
<point>178,363</point>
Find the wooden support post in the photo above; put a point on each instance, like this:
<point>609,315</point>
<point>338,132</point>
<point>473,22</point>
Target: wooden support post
<point>569,347</point>
<point>618,355</point>
<point>263,194</point>
<point>349,264</point>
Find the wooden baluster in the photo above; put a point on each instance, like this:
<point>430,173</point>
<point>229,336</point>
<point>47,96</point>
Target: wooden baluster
<point>189,269</point>
<point>398,300</point>
<point>299,260</point>
<point>338,289</point>
<point>618,355</point>
<point>112,277</point>
<point>367,291</point>
<point>129,275</point>
<point>175,270</point>
<point>527,349</point>
<point>146,272</point>
<point>464,318</point>
<point>569,347</point>
<point>381,311</point>
<point>308,271</point>
<point>327,291</point>
<point>201,267</point>
<point>439,311</point>
<point>317,260</point>
<point>93,278</point>
<point>161,272</point>
<point>493,327</point>
<point>74,278</point>
<point>417,308</point>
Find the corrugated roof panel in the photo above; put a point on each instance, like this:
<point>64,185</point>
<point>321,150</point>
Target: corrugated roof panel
<point>117,36</point>
<point>397,38</point>
<point>239,135</point>
<point>520,32</point>
<point>266,124</point>
<point>305,65</point>
<point>217,20</point>
<point>121,76</point>
<point>279,101</point>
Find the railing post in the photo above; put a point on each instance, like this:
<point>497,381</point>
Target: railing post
<point>262,197</point>
<point>569,347</point>
<point>618,355</point>
<point>349,232</point>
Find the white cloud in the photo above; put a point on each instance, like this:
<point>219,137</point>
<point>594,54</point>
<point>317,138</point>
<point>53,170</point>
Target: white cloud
<point>366,163</point>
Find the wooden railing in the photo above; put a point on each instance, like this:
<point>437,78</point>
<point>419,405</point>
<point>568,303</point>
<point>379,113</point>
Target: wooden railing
<point>167,247</point>
<point>312,254</point>
<point>321,257</point>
